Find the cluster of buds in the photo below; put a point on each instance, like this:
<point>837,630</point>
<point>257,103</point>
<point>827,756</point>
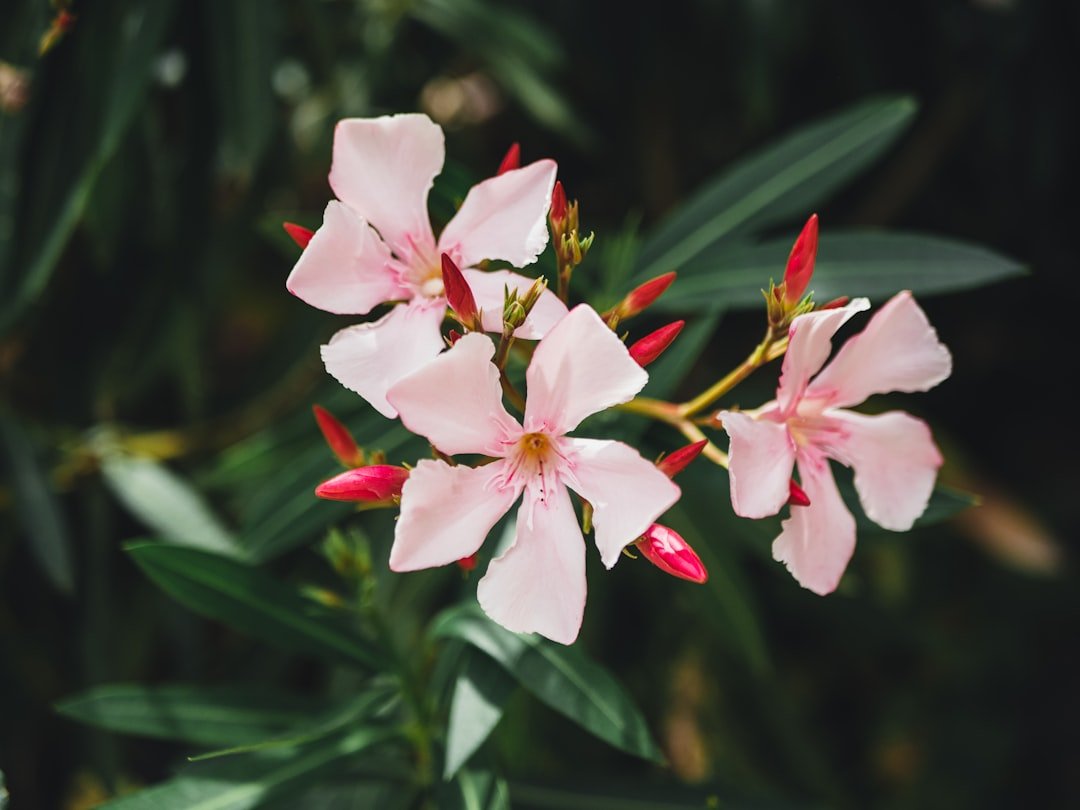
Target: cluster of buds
<point>787,300</point>
<point>570,247</point>
<point>368,480</point>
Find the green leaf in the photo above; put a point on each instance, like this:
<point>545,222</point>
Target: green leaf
<point>200,715</point>
<point>166,503</point>
<point>874,264</point>
<point>944,503</point>
<point>250,601</point>
<point>475,790</point>
<point>783,180</point>
<point>562,677</point>
<point>3,793</point>
<point>480,693</point>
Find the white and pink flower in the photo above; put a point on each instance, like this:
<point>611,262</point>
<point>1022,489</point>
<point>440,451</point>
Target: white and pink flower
<point>376,245</point>
<point>455,401</point>
<point>893,454</point>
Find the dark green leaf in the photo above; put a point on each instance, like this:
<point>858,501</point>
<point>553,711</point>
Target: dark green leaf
<point>480,693</point>
<point>475,790</point>
<point>944,503</point>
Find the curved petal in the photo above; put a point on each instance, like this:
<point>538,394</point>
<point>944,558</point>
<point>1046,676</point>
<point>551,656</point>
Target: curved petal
<point>370,357</point>
<point>897,351</point>
<point>538,584</point>
<point>446,512</point>
<point>488,290</point>
<point>455,401</point>
<point>760,460</point>
<point>818,540</point>
<point>809,345</point>
<point>504,217</point>
<point>627,492</point>
<point>580,367</point>
<point>383,169</point>
<point>346,268</point>
<point>895,462</point>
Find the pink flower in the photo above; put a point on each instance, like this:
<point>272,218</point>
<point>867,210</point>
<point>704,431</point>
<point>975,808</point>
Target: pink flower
<point>538,584</point>
<point>893,455</point>
<point>377,246</point>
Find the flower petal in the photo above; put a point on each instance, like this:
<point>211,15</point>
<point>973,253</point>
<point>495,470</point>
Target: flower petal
<point>446,512</point>
<point>504,217</point>
<point>627,492</point>
<point>346,268</point>
<point>897,351</point>
<point>383,169</point>
<point>760,460</point>
<point>538,584</point>
<point>370,357</point>
<point>895,462</point>
<point>809,345</point>
<point>818,540</point>
<point>488,289</point>
<point>579,368</point>
<point>455,401</point>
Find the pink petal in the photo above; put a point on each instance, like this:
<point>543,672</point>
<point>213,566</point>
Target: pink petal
<point>455,400</point>
<point>346,268</point>
<point>504,217</point>
<point>488,289</point>
<point>627,492</point>
<point>895,462</point>
<point>580,368</point>
<point>370,357</point>
<point>809,345</point>
<point>446,512</point>
<point>898,351</point>
<point>760,460</point>
<point>538,584</point>
<point>383,169</point>
<point>818,540</point>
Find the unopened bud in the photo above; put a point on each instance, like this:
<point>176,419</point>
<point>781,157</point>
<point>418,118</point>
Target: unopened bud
<point>453,337</point>
<point>514,315</point>
<point>797,495</point>
<point>299,233</point>
<point>467,564</point>
<point>377,484</point>
<point>800,263</point>
<point>458,294</point>
<point>338,437</point>
<point>511,161</point>
<point>678,460</point>
<point>643,296</point>
<point>655,344</point>
<point>666,549</point>
<point>63,22</point>
<point>836,303</point>
<point>558,205</point>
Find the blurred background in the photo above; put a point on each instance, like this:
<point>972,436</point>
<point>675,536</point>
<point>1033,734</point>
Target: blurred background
<point>156,378</point>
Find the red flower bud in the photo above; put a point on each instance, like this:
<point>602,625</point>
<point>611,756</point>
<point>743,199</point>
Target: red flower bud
<point>678,460</point>
<point>643,296</point>
<point>341,442</point>
<point>800,263</point>
<point>512,160</point>
<point>836,303</point>
<point>654,344</point>
<point>458,294</point>
<point>467,564</point>
<point>558,204</point>
<point>299,233</point>
<point>797,496</point>
<point>453,336</point>
<point>666,550</point>
<point>379,483</point>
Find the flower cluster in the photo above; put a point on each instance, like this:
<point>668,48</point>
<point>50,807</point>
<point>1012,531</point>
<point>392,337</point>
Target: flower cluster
<point>377,247</point>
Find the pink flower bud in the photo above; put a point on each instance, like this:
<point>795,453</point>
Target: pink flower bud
<point>339,439</point>
<point>665,549</point>
<point>678,460</point>
<point>797,495</point>
<point>558,204</point>
<point>299,233</point>
<point>654,344</point>
<point>379,483</point>
<point>512,159</point>
<point>642,297</point>
<point>458,294</point>
<point>800,263</point>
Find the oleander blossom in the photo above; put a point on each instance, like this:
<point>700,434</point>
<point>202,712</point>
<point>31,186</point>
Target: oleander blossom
<point>892,454</point>
<point>376,245</point>
<point>455,401</point>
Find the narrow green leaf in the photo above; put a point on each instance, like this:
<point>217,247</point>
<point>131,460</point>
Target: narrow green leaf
<point>783,180</point>
<point>874,264</point>
<point>944,503</point>
<point>251,601</point>
<point>475,790</point>
<point>480,693</point>
<point>562,677</point>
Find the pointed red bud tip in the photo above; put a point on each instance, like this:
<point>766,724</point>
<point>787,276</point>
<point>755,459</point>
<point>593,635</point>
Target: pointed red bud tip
<point>800,263</point>
<point>299,233</point>
<point>797,495</point>
<point>666,549</point>
<point>339,439</point>
<point>512,159</point>
<point>558,203</point>
<point>678,460</point>
<point>458,293</point>
<point>836,303</point>
<point>467,564</point>
<point>379,483</point>
<point>655,344</point>
<point>453,336</point>
<point>643,297</point>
